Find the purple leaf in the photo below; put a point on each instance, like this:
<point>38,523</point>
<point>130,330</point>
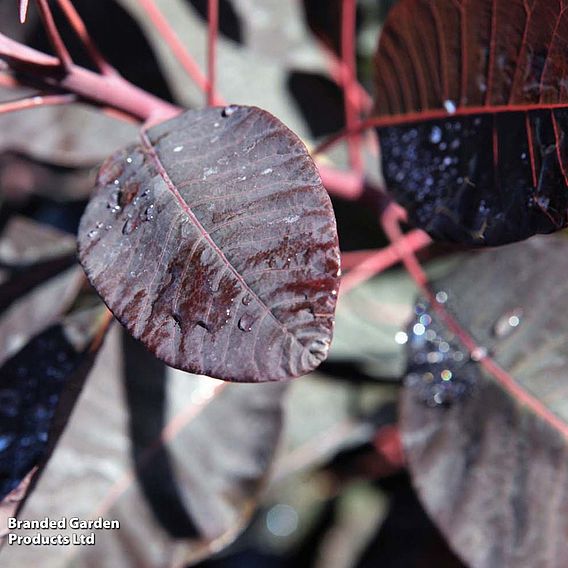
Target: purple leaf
<point>214,242</point>
<point>488,455</point>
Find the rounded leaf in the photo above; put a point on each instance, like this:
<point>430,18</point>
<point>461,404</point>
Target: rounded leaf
<point>214,242</point>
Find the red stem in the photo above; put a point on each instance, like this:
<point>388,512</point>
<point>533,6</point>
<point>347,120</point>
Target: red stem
<point>348,56</point>
<point>178,49</point>
<point>23,10</point>
<point>107,91</point>
<point>37,101</point>
<point>213,29</point>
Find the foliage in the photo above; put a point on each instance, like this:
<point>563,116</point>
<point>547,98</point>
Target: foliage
<point>213,235</point>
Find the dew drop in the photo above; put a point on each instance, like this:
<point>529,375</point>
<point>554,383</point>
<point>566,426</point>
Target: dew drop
<point>178,149</point>
<point>507,323</point>
<point>246,322</point>
<point>149,213</point>
<point>247,299</point>
<point>401,338</point>
<point>229,110</point>
<point>266,172</point>
<point>478,354</point>
<point>436,135</point>
<point>441,297</point>
<point>450,106</point>
<point>93,233</point>
<point>5,441</point>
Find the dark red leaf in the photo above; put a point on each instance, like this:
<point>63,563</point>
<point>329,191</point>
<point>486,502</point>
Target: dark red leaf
<point>488,452</point>
<point>214,242</point>
<point>475,108</point>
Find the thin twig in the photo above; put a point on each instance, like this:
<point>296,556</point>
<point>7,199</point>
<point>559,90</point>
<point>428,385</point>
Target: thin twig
<point>213,30</point>
<point>178,49</point>
<point>340,74</point>
<point>93,88</point>
<point>348,56</point>
<point>37,101</point>
<point>23,10</point>
<point>54,35</point>
<point>80,29</point>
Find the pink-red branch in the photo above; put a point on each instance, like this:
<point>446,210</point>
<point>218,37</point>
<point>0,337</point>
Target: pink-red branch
<point>213,30</point>
<point>23,10</point>
<point>100,90</point>
<point>37,101</point>
<point>178,49</point>
<point>350,92</point>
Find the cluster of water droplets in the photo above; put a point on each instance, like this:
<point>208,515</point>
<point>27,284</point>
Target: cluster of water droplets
<point>117,204</point>
<point>425,165</point>
<point>32,383</point>
<point>440,371</point>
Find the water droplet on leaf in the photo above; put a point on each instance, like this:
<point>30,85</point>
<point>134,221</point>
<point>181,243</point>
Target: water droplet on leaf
<point>436,135</point>
<point>245,322</point>
<point>229,110</point>
<point>507,323</point>
<point>450,106</point>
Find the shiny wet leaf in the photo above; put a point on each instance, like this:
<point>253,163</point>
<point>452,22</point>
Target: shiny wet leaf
<point>214,243</point>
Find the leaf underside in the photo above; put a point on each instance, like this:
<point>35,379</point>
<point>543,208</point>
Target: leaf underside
<point>488,467</point>
<point>475,98</point>
<point>214,242</point>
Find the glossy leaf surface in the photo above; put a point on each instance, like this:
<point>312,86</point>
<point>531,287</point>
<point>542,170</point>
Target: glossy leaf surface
<point>474,101</point>
<point>214,242</point>
<point>489,456</point>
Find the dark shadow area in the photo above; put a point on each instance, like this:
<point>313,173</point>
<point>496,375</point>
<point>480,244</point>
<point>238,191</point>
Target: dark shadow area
<point>358,224</point>
<point>324,20</point>
<point>145,382</point>
<point>229,21</point>
<point>24,279</point>
<point>320,101</point>
<point>351,372</point>
<point>407,537</point>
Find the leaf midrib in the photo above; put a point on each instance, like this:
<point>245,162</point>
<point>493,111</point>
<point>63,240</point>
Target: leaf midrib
<point>151,152</point>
